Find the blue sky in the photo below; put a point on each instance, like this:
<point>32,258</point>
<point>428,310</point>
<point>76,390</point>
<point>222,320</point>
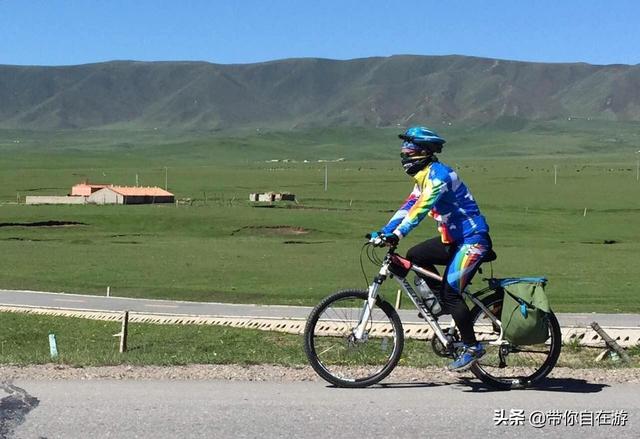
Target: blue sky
<point>55,32</point>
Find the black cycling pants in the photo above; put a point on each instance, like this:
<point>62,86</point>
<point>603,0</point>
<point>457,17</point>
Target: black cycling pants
<point>433,252</point>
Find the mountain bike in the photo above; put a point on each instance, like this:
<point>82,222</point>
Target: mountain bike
<point>354,338</point>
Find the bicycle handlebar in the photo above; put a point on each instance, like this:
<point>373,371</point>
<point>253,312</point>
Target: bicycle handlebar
<point>380,241</point>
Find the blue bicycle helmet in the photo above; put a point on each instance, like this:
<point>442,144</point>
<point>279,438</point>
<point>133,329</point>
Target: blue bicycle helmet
<point>422,136</point>
<point>418,147</point>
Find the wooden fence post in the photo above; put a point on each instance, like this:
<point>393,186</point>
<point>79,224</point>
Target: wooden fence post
<point>123,332</point>
<point>399,299</point>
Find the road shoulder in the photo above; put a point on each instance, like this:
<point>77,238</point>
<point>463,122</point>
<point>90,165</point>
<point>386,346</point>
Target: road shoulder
<point>274,373</point>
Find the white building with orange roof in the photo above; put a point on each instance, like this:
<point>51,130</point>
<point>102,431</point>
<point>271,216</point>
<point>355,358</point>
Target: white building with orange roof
<point>130,195</point>
<point>85,193</point>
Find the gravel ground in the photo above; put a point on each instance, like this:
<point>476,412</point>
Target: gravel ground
<point>274,373</point>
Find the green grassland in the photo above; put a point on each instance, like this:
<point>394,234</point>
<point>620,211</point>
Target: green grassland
<point>24,340</point>
<point>216,246</point>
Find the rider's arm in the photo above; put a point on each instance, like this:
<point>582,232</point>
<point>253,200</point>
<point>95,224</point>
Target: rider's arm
<point>432,190</point>
<point>397,217</point>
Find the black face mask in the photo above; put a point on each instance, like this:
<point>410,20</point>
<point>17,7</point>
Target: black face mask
<point>413,166</point>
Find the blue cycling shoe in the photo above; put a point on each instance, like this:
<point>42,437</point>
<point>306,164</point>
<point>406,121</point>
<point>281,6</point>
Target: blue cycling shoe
<point>469,355</point>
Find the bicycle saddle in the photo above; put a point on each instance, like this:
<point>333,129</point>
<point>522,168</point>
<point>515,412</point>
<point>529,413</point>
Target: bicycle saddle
<point>489,256</point>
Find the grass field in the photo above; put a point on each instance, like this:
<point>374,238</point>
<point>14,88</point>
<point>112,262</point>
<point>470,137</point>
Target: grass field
<point>24,340</point>
<point>218,247</point>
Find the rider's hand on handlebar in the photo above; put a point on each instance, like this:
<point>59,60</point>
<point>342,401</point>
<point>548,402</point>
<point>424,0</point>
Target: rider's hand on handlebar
<point>391,239</point>
<point>375,238</point>
<point>379,239</point>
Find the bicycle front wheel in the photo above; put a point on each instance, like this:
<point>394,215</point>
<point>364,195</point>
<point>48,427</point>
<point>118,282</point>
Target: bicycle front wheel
<point>513,366</point>
<point>337,356</point>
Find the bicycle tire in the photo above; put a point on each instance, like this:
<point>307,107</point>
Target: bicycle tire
<point>317,334</point>
<point>519,378</point>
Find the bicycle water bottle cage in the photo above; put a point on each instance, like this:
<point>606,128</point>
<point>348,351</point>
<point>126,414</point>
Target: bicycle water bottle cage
<point>399,266</point>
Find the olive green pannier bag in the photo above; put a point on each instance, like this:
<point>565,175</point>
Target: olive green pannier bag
<point>524,310</point>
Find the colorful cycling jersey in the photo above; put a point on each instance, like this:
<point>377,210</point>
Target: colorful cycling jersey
<point>440,194</point>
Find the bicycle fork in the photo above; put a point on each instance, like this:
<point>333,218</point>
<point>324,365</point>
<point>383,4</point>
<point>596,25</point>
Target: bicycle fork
<point>365,315</point>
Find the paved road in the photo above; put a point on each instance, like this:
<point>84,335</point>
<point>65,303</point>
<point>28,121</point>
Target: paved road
<point>75,301</point>
<point>226,409</point>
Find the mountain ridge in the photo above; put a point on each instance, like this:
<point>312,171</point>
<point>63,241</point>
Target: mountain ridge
<point>313,92</point>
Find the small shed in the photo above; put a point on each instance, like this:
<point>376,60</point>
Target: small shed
<point>285,196</point>
<point>270,197</point>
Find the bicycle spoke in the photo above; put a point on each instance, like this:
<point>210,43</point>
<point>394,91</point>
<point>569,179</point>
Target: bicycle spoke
<point>327,350</point>
<point>337,352</point>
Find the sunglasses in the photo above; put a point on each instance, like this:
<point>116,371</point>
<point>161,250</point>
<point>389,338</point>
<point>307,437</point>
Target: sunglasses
<point>412,156</point>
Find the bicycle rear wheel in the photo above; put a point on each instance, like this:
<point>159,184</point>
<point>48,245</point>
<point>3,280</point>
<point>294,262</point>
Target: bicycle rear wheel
<point>511,367</point>
<point>331,347</point>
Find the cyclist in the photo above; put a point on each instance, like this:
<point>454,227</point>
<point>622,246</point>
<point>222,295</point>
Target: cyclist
<point>464,233</point>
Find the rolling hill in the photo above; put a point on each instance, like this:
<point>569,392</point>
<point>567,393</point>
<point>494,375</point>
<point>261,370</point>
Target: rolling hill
<point>303,93</point>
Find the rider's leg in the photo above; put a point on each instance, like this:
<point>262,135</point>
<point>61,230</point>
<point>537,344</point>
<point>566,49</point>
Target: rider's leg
<point>457,275</point>
<point>426,254</point>
<point>453,304</point>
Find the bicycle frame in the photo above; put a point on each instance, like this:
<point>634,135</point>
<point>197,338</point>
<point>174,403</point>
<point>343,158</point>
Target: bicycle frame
<point>393,260</point>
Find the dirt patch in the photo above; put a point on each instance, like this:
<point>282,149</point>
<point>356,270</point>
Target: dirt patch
<point>28,239</point>
<point>50,223</point>
<point>131,238</point>
<point>323,209</point>
<point>306,242</point>
<point>37,189</point>
<point>271,230</point>
<point>605,242</point>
